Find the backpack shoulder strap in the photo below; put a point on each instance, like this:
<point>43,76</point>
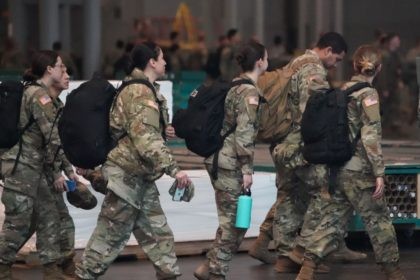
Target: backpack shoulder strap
<point>138,81</point>
<point>240,82</point>
<point>356,87</point>
<point>152,88</point>
<point>215,165</point>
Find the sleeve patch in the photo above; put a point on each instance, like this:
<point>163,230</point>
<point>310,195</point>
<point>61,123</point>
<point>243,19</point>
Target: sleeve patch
<point>371,100</point>
<point>45,99</point>
<point>253,100</point>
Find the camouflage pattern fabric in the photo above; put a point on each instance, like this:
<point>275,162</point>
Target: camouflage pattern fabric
<point>67,230</point>
<point>23,210</point>
<point>97,180</point>
<point>364,117</point>
<point>235,160</point>
<point>143,152</point>
<point>297,181</point>
<point>82,197</point>
<point>132,200</point>
<point>356,183</point>
<point>336,210</point>
<point>241,109</point>
<point>28,196</point>
<point>227,189</point>
<point>118,219</point>
<point>40,142</point>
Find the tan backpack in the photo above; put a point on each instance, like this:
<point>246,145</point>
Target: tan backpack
<point>276,114</point>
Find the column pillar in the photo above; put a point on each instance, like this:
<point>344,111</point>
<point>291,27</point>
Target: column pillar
<point>92,37</point>
<point>259,20</point>
<point>302,16</point>
<point>65,23</point>
<point>49,23</point>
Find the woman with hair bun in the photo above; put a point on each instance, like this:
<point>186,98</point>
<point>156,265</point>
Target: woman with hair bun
<point>235,161</point>
<point>360,183</point>
<point>31,168</point>
<point>139,122</point>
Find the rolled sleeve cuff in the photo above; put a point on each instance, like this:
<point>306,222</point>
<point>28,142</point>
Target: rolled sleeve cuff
<point>57,175</point>
<point>247,169</point>
<point>172,171</point>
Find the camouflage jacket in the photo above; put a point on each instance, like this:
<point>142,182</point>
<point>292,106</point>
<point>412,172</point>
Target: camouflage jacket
<point>137,113</point>
<point>309,77</point>
<point>364,117</point>
<point>40,142</point>
<point>241,109</point>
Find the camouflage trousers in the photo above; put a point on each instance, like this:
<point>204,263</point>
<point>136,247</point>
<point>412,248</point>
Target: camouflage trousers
<point>297,182</point>
<point>336,210</point>
<point>67,230</point>
<point>23,210</point>
<point>227,190</point>
<point>116,221</point>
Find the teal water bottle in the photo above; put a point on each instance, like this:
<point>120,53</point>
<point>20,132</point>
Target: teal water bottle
<point>243,213</point>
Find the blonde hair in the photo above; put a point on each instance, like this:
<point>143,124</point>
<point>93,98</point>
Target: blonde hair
<point>367,59</point>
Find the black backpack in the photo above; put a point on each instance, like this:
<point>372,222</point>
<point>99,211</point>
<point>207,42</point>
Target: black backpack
<point>84,124</point>
<point>324,127</point>
<point>10,101</point>
<point>201,123</point>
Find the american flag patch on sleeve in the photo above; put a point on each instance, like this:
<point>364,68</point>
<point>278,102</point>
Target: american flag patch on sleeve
<point>371,100</point>
<point>44,99</point>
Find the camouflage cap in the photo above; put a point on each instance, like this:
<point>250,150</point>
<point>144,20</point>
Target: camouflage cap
<point>82,197</point>
<point>97,180</point>
<point>188,193</point>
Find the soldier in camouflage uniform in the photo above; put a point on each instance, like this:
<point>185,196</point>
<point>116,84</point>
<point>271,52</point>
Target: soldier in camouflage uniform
<point>296,180</point>
<point>360,181</point>
<point>28,196</point>
<point>66,231</point>
<point>235,162</point>
<point>131,204</point>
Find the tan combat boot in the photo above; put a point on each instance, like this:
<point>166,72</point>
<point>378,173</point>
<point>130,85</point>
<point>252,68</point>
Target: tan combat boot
<point>69,266</point>
<point>307,271</point>
<point>344,254</point>
<point>286,265</point>
<point>297,256</point>
<point>393,271</point>
<point>259,249</point>
<point>52,272</point>
<point>202,272</point>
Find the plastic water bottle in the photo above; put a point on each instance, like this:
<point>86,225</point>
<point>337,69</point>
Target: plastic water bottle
<point>243,213</point>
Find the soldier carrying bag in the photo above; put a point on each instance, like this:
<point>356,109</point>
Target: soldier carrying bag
<point>201,123</point>
<point>276,116</point>
<point>11,93</point>
<point>325,130</point>
<point>324,127</point>
<point>84,123</point>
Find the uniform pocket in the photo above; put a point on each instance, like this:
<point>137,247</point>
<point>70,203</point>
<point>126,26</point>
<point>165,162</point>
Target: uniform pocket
<point>6,167</point>
<point>151,117</point>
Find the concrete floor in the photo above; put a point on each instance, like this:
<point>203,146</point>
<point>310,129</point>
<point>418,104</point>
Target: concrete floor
<point>244,267</point>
